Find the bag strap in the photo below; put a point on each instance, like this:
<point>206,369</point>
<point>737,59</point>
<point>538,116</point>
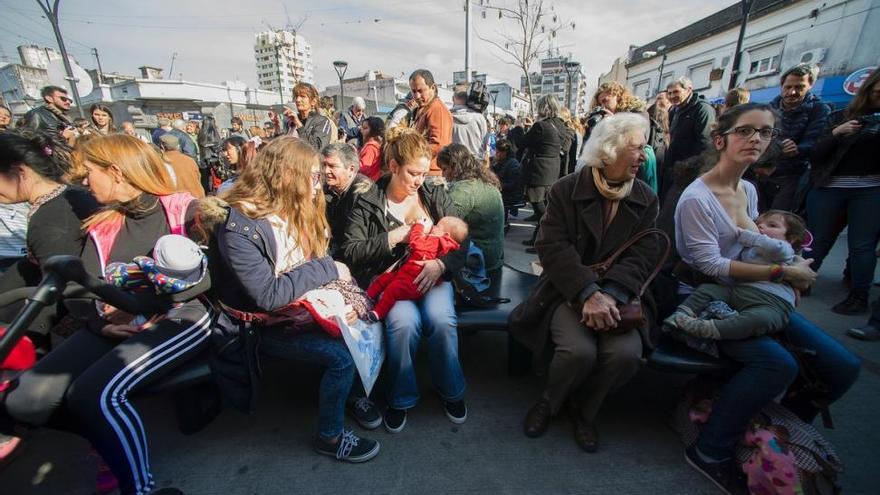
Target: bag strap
<point>605,265</point>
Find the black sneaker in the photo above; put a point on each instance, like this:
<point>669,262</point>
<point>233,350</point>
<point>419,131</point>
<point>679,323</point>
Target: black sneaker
<point>364,412</point>
<point>869,333</point>
<point>855,303</point>
<point>726,475</point>
<point>456,411</point>
<point>349,448</point>
<point>395,420</point>
<point>372,317</point>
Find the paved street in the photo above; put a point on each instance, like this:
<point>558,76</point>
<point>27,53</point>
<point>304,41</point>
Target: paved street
<point>270,451</point>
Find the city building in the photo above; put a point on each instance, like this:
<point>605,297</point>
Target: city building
<point>283,59</point>
<point>837,35</point>
<point>560,76</point>
<point>379,90</point>
<point>38,56</point>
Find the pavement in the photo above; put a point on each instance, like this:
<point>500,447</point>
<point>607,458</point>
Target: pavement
<point>269,452</point>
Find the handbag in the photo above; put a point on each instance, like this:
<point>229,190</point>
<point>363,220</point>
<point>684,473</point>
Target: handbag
<point>632,315</point>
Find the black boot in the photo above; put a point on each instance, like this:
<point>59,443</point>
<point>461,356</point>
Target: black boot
<point>855,303</point>
<point>537,211</point>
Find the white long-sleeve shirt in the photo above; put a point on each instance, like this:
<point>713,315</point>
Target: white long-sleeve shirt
<point>707,239</point>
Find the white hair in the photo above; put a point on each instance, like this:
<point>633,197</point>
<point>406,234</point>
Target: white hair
<point>683,82</point>
<point>179,124</point>
<point>547,107</point>
<point>609,136</point>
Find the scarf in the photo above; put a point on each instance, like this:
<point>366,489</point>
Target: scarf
<point>59,113</point>
<point>611,192</point>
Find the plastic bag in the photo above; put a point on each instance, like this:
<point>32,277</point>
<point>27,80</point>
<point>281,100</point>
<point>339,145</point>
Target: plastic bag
<point>367,348</point>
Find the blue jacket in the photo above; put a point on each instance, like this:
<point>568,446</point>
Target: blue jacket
<point>247,254</point>
<point>803,125</point>
<point>247,266</point>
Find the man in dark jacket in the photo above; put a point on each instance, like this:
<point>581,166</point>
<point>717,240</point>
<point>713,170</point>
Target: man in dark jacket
<point>342,185</point>
<point>690,123</point>
<point>507,168</point>
<point>804,117</point>
<point>52,115</point>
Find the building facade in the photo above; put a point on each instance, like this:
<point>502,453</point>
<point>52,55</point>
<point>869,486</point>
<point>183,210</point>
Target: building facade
<point>562,77</point>
<point>283,59</point>
<point>840,36</point>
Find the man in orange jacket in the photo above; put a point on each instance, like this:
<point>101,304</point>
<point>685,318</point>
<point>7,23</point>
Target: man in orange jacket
<point>432,118</point>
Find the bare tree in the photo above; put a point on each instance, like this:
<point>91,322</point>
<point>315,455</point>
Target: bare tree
<point>534,26</point>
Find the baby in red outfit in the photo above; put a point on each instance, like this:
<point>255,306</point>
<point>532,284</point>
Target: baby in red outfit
<point>397,285</point>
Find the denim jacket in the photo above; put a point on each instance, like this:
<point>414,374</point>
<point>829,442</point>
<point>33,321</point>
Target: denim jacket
<point>246,264</point>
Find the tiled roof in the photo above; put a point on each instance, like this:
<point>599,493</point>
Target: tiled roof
<point>720,21</point>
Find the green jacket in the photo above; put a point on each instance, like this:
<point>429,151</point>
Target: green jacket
<point>480,205</point>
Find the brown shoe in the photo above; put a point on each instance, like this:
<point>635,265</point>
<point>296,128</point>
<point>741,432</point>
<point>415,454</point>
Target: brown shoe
<point>586,436</point>
<point>537,419</point>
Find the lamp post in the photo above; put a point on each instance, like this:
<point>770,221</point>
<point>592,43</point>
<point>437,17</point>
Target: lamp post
<point>494,95</point>
<point>571,68</point>
<point>341,66</point>
<point>651,53</point>
<point>734,72</point>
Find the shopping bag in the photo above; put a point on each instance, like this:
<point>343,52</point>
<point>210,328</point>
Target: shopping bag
<point>367,348</point>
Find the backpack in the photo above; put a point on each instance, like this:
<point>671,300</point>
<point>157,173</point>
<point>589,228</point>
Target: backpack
<point>478,97</point>
<point>779,453</point>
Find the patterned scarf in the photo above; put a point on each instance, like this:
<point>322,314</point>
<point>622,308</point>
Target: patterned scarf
<point>59,113</point>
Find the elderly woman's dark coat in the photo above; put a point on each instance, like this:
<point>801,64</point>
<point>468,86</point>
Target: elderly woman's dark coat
<point>571,238</point>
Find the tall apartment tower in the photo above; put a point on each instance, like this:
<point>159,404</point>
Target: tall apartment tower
<point>554,79</point>
<point>283,59</point>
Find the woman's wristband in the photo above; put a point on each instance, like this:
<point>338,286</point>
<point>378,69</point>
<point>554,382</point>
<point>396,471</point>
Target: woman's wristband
<point>777,273</point>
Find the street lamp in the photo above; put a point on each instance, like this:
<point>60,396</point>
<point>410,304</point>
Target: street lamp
<point>341,66</point>
<point>734,73</point>
<point>649,54</point>
<point>494,95</point>
<point>571,68</point>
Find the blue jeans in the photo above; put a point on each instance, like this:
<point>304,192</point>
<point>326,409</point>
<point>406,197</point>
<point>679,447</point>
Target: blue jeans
<point>327,352</point>
<point>829,209</point>
<point>767,371</point>
<point>432,317</point>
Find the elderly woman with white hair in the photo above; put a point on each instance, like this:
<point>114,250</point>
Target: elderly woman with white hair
<point>590,214</point>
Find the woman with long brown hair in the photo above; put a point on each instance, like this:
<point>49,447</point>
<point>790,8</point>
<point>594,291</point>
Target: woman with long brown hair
<point>846,191</point>
<point>85,382</point>
<point>273,249</point>
<point>101,119</point>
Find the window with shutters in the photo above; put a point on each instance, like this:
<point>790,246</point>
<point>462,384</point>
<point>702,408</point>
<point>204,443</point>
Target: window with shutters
<point>699,74</point>
<point>764,59</point>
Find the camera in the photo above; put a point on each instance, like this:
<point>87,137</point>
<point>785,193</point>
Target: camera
<point>595,116</point>
<point>870,119</point>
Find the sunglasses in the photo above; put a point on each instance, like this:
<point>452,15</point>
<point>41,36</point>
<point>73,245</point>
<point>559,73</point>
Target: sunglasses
<point>316,179</point>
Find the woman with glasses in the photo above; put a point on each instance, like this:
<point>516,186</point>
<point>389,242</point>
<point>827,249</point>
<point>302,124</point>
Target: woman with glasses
<point>710,218</point>
<point>273,249</point>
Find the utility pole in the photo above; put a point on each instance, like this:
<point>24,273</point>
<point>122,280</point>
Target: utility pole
<point>52,15</point>
<point>100,71</point>
<point>278,65</point>
<point>737,56</point>
<point>171,69</point>
<point>467,41</point>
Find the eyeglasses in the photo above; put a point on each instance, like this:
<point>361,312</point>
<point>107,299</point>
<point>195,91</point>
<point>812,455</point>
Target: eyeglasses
<point>747,131</point>
<point>316,179</point>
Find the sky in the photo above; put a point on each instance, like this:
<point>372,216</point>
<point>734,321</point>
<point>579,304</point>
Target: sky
<point>214,39</point>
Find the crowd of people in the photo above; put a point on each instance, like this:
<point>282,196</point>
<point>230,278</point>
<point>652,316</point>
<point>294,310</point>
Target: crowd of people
<point>410,207</point>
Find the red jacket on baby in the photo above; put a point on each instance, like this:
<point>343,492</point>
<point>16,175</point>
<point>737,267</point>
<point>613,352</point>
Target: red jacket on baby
<point>397,285</point>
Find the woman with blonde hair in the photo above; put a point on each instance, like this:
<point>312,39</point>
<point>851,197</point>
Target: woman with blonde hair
<point>273,249</point>
<point>85,382</point>
<point>375,239</point>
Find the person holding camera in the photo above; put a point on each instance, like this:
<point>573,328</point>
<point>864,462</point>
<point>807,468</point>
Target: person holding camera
<point>846,191</point>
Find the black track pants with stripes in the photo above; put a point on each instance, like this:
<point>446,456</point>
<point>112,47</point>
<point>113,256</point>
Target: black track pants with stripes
<point>85,383</point>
